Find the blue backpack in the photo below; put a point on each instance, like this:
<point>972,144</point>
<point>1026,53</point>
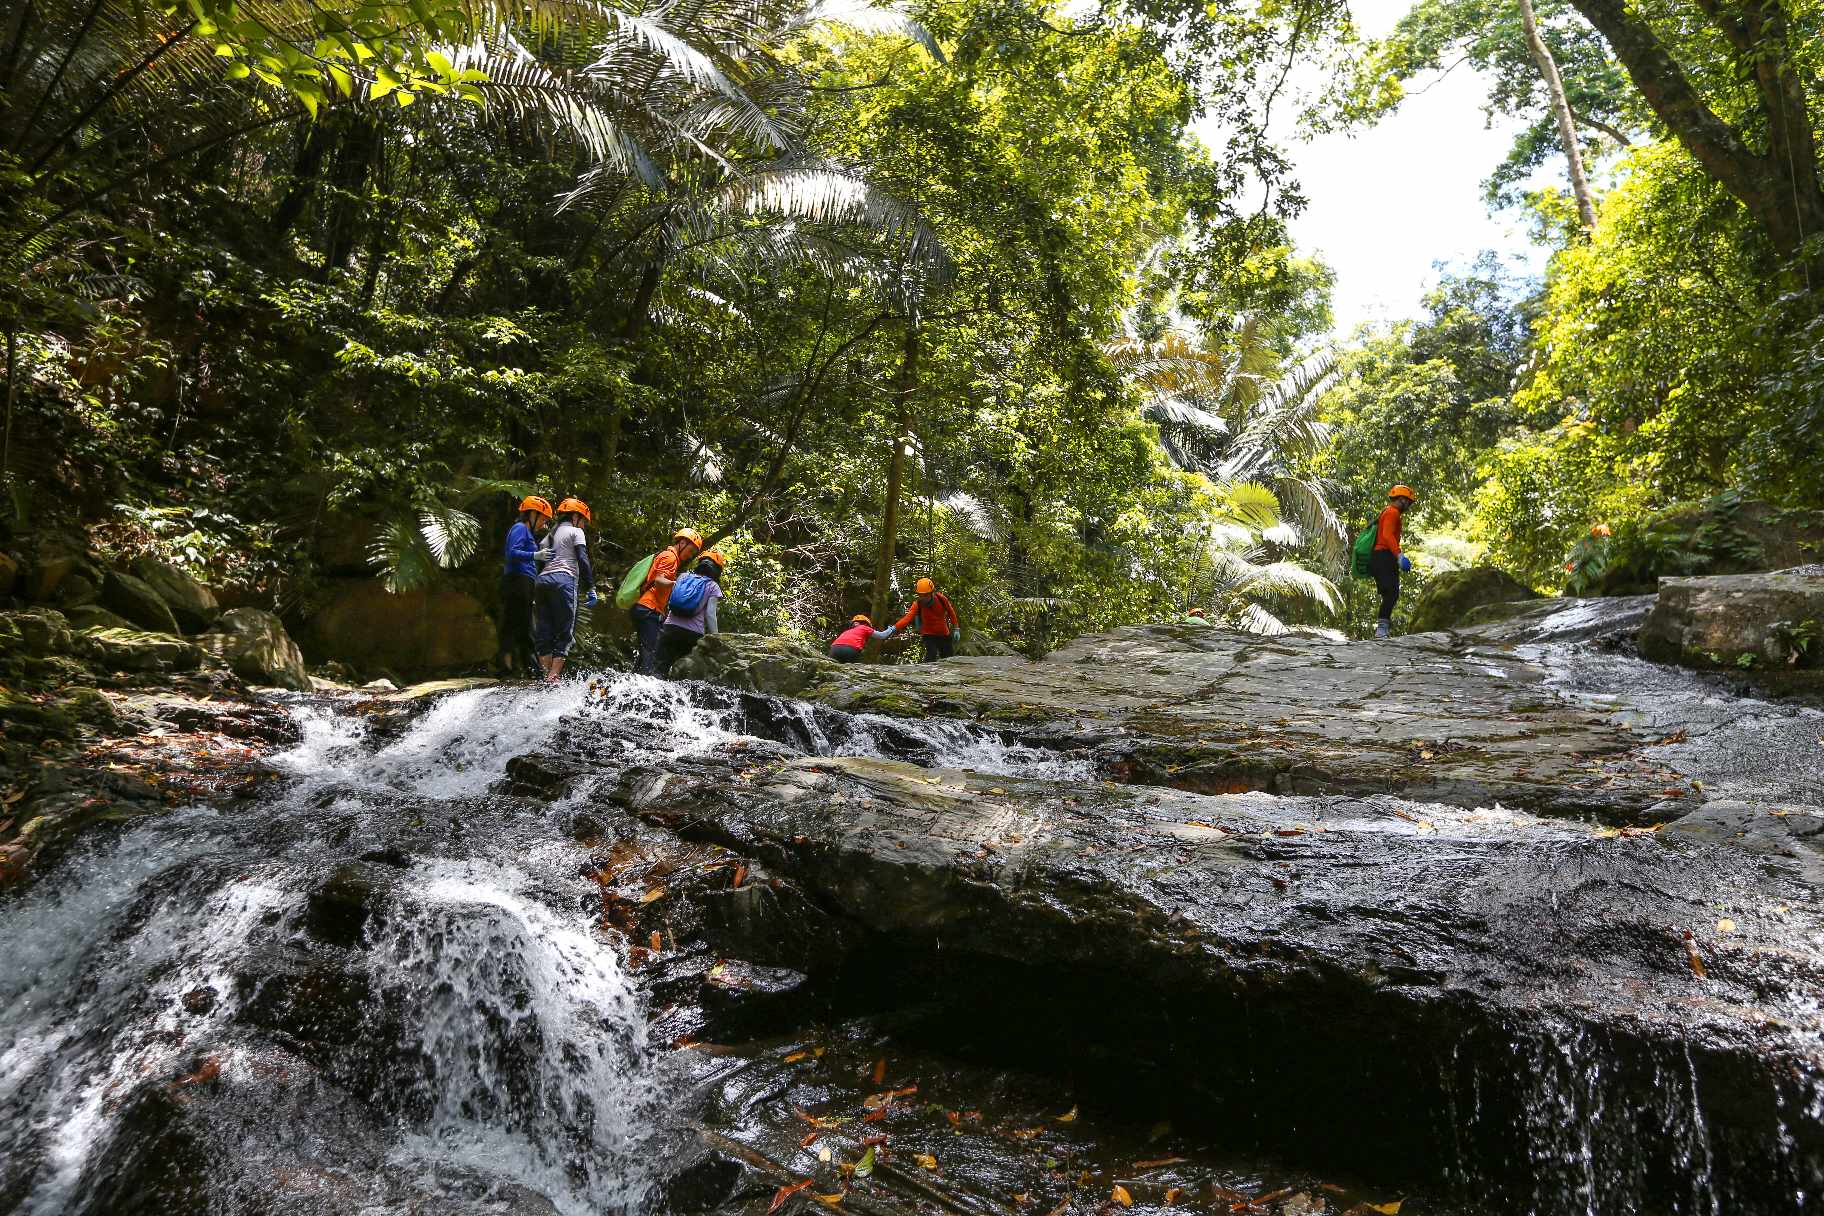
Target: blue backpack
<point>688,594</point>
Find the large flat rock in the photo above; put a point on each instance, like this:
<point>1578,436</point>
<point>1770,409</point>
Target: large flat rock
<point>1403,956</point>
<point>1213,711</point>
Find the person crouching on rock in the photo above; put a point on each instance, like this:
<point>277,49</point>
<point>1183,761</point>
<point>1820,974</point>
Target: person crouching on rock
<point>566,569</point>
<point>691,612</point>
<point>655,595</point>
<point>516,575</point>
<point>850,642</point>
<point>1386,562</point>
<point>938,626</point>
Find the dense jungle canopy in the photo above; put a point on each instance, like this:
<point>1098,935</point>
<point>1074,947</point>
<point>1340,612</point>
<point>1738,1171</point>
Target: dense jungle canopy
<point>999,290</point>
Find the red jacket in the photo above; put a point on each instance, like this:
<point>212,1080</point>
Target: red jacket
<point>856,635</point>
<point>1387,531</point>
<point>936,619</point>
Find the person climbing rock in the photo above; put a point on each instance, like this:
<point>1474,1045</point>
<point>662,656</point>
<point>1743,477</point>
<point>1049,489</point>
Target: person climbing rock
<point>848,645</point>
<point>938,626</point>
<point>1194,616</point>
<point>691,612</point>
<point>567,570</point>
<point>655,595</point>
<point>516,574</point>
<point>1386,562</point>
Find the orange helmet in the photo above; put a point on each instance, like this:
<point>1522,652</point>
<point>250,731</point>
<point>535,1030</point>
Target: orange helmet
<point>1402,491</point>
<point>715,555</point>
<point>533,502</point>
<point>577,505</point>
<point>862,618</point>
<point>923,586</point>
<point>690,534</point>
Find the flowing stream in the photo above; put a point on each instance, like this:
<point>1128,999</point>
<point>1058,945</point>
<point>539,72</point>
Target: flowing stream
<point>499,1045</point>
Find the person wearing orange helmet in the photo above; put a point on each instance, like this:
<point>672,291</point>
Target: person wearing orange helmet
<point>1386,561</point>
<point>847,646</point>
<point>517,572</point>
<point>691,612</point>
<point>938,626</point>
<point>567,569</point>
<point>655,595</point>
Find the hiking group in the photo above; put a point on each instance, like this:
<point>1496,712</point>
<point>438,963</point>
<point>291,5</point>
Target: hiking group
<point>547,577</point>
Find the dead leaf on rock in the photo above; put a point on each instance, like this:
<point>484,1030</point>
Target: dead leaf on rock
<point>1069,1116</point>
<point>1120,1196</point>
<point>655,941</point>
<point>880,1070</point>
<point>926,1160</point>
<point>740,873</point>
<point>1696,960</point>
<point>206,1072</point>
<point>784,1193</point>
<point>1725,925</point>
<point>652,894</point>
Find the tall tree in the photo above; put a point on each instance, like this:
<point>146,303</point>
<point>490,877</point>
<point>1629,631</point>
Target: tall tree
<point>1561,113</point>
<point>1767,158</point>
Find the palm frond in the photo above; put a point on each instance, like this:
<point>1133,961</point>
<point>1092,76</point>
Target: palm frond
<point>452,536</point>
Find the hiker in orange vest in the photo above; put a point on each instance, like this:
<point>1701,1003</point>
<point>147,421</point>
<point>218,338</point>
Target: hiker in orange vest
<point>938,625</point>
<point>1386,562</point>
<point>655,595</point>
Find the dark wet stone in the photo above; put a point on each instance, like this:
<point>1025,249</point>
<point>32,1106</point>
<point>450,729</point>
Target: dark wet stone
<point>1744,622</point>
<point>135,599</point>
<point>1358,945</point>
<point>199,1000</point>
<point>338,911</point>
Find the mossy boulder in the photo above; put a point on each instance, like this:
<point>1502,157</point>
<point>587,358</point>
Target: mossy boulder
<point>140,650</point>
<point>1451,596</point>
<point>38,632</point>
<point>193,604</point>
<point>255,645</point>
<point>136,600</point>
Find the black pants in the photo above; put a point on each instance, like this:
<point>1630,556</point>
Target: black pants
<point>675,642</point>
<point>845,654</point>
<point>1385,568</point>
<point>516,624</point>
<point>937,646</point>
<point>647,624</point>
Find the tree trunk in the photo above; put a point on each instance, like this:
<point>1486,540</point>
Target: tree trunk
<point>1779,187</point>
<point>904,384</point>
<point>303,178</point>
<point>1561,110</point>
<point>347,207</point>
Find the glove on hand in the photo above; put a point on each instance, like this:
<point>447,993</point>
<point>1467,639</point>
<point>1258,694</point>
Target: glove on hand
<point>590,602</point>
<point>891,630</point>
<point>956,635</point>
<point>1405,562</point>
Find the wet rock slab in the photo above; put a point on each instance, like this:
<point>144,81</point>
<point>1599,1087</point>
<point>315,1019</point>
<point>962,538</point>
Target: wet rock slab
<point>1399,956</point>
<point>1216,712</point>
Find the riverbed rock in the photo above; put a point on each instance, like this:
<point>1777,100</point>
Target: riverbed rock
<point>370,628</point>
<point>757,663</point>
<point>1741,621</point>
<point>1217,711</point>
<point>254,644</point>
<point>192,604</point>
<point>1450,596</point>
<point>135,599</point>
<point>1426,934</point>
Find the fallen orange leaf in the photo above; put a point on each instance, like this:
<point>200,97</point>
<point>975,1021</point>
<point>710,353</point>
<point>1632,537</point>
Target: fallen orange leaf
<point>880,1070</point>
<point>1120,1196</point>
<point>784,1193</point>
<point>740,873</point>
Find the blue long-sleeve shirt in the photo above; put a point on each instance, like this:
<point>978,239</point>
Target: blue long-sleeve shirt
<point>521,546</point>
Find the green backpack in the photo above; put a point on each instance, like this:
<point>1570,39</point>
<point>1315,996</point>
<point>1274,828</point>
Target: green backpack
<point>1363,552</point>
<point>634,583</point>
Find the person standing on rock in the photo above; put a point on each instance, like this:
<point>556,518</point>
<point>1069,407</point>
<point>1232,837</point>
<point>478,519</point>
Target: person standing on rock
<point>691,613</point>
<point>566,570</point>
<point>848,645</point>
<point>938,626</point>
<point>516,651</point>
<point>655,595</point>
<point>1386,561</point>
